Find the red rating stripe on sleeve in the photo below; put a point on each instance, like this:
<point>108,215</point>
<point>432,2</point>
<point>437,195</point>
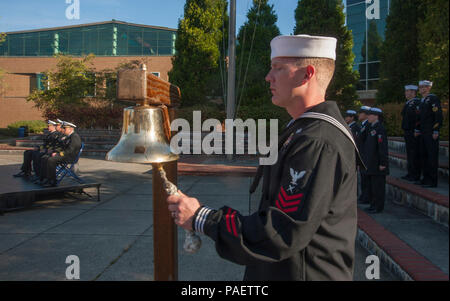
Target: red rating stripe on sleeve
<point>288,203</point>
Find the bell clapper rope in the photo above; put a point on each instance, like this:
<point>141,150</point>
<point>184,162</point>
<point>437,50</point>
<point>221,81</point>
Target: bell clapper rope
<point>192,242</point>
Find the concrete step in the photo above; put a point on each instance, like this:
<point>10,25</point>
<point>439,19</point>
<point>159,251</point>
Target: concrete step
<point>83,132</point>
<point>410,246</point>
<point>102,138</point>
<point>397,144</point>
<point>27,143</point>
<point>399,160</point>
<point>98,145</point>
<point>432,202</point>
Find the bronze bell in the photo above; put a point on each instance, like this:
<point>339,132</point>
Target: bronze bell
<point>146,127</point>
<point>144,138</point>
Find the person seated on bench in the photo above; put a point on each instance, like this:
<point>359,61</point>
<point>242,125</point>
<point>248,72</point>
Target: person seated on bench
<point>68,155</point>
<point>49,142</point>
<point>35,154</point>
<point>57,146</point>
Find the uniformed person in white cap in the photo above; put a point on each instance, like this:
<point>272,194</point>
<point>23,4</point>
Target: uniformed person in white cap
<point>34,156</point>
<point>363,118</point>
<point>376,159</point>
<point>428,132</point>
<point>57,145</point>
<point>71,149</point>
<point>306,225</point>
<point>410,120</point>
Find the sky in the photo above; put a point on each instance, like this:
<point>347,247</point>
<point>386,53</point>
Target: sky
<point>18,15</point>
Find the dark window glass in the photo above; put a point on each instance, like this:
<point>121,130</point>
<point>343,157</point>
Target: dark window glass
<point>105,40</point>
<point>15,45</point>
<point>63,42</point>
<point>31,44</point>
<point>75,42</point>
<point>150,42</point>
<point>90,39</point>
<point>135,42</point>
<point>46,43</point>
<point>122,40</point>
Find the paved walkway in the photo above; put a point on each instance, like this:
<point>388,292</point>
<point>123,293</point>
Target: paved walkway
<point>113,238</point>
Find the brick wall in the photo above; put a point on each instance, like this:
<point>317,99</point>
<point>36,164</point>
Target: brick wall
<point>19,79</point>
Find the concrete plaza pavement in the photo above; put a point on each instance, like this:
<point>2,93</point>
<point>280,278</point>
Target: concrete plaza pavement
<point>113,238</point>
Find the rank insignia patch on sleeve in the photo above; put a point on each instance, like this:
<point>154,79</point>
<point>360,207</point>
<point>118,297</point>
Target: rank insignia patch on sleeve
<point>288,202</point>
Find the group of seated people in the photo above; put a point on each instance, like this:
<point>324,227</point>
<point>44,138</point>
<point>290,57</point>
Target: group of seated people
<point>61,145</point>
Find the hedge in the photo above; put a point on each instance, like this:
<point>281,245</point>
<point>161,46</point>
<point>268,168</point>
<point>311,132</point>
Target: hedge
<point>34,126</point>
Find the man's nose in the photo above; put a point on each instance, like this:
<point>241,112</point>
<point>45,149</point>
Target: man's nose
<point>269,76</point>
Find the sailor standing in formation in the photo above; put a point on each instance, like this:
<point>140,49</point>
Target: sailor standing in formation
<point>375,156</point>
<point>427,131</point>
<point>363,118</point>
<point>410,120</point>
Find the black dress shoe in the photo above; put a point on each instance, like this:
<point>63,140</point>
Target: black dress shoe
<point>370,209</point>
<point>49,184</point>
<point>43,182</point>
<point>20,174</point>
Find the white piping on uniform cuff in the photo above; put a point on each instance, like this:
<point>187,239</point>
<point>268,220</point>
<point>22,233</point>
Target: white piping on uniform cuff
<point>200,219</point>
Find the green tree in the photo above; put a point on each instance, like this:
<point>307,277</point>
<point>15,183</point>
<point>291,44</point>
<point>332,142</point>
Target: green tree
<point>72,82</point>
<point>253,53</point>
<point>433,45</point>
<point>80,93</point>
<point>326,18</point>
<point>400,52</point>
<point>200,32</point>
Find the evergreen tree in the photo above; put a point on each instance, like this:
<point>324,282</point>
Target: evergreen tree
<point>400,52</point>
<point>197,49</point>
<point>253,54</point>
<point>326,18</point>
<point>433,45</point>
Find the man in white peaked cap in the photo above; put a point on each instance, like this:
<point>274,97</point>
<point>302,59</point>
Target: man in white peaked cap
<point>305,227</point>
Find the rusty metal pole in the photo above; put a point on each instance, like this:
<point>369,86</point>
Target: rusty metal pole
<point>165,238</point>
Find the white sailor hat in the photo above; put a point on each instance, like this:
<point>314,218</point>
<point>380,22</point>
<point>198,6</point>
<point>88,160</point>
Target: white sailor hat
<point>411,87</point>
<point>59,121</point>
<point>425,83</point>
<point>303,46</point>
<point>68,124</point>
<point>375,111</point>
<point>364,109</point>
<point>51,122</point>
<point>350,113</point>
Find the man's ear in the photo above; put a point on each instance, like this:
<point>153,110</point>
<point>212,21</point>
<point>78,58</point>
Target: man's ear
<point>310,71</point>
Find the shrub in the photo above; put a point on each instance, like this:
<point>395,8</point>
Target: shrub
<point>34,126</point>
